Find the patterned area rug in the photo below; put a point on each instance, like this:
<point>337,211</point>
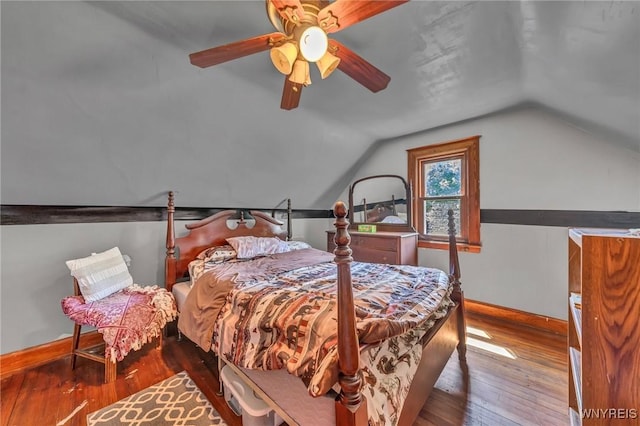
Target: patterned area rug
<point>176,401</point>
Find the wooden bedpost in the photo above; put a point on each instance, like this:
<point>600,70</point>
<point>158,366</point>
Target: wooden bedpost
<point>457,295</point>
<point>351,407</point>
<point>170,259</point>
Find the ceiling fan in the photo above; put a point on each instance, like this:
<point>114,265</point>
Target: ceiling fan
<point>303,26</point>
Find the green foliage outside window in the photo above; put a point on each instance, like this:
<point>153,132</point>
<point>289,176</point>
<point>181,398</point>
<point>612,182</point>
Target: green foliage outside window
<point>443,178</point>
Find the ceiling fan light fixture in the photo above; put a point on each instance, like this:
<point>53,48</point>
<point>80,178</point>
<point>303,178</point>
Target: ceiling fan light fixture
<point>300,73</point>
<point>301,37</point>
<point>283,57</point>
<point>313,43</point>
<point>327,64</point>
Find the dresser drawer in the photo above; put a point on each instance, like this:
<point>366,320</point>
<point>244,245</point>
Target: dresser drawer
<point>373,243</point>
<point>387,247</point>
<point>364,254</point>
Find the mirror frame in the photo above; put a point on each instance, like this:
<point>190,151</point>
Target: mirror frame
<point>383,227</point>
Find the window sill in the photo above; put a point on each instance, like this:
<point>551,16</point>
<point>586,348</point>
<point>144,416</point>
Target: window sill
<point>444,245</point>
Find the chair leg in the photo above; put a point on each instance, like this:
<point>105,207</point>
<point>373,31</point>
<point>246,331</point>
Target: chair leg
<point>75,343</point>
<point>110,369</point>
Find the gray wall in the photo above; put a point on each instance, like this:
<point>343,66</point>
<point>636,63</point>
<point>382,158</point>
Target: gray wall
<point>529,159</point>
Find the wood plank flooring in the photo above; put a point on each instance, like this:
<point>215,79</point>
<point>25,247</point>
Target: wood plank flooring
<point>529,389</point>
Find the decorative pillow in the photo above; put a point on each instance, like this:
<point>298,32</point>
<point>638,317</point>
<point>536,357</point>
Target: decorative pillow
<point>249,247</point>
<point>217,254</point>
<point>101,274</point>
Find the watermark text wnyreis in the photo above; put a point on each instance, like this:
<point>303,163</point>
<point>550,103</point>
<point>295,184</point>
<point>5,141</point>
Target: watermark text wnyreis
<point>610,413</point>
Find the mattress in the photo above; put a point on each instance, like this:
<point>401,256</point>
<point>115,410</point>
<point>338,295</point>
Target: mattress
<point>180,292</point>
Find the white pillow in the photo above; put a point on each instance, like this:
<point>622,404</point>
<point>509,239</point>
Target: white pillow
<point>101,274</point>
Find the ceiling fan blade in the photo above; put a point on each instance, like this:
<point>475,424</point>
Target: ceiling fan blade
<point>344,13</point>
<point>290,94</point>
<point>291,10</point>
<point>359,69</point>
<point>235,50</point>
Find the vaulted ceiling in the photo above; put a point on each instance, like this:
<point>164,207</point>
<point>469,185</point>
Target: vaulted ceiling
<point>101,106</point>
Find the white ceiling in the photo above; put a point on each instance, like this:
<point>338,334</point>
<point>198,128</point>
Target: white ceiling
<point>100,104</point>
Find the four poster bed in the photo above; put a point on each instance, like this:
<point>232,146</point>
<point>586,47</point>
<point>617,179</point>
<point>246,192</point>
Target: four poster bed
<point>373,347</point>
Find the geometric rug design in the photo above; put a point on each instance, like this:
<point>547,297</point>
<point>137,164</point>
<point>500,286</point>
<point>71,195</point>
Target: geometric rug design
<point>176,401</point>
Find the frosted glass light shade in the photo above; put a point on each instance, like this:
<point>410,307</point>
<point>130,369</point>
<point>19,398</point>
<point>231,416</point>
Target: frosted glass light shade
<point>283,57</point>
<point>313,43</point>
<point>327,64</point>
<point>300,73</point>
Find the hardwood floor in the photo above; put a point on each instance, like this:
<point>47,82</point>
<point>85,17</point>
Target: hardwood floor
<point>529,389</point>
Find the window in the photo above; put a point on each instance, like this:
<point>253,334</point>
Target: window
<point>446,176</point>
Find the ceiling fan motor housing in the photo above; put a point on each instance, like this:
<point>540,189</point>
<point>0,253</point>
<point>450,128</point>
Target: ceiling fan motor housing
<point>289,27</point>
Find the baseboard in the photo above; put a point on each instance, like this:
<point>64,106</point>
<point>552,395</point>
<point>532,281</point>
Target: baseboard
<point>37,355</point>
<point>542,322</point>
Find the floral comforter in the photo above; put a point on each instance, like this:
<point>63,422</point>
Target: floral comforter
<point>280,311</point>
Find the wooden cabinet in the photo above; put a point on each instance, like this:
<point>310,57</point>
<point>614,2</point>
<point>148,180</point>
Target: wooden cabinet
<point>604,327</point>
<point>399,248</point>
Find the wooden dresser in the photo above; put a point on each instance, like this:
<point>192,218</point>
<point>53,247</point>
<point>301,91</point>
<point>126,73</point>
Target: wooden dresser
<point>399,248</point>
<point>604,327</point>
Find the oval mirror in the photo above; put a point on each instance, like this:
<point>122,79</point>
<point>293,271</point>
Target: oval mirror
<point>383,200</point>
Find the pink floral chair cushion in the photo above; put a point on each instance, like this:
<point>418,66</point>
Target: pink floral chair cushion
<point>127,319</point>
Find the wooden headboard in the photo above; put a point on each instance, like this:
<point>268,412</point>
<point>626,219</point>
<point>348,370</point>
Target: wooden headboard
<point>213,231</point>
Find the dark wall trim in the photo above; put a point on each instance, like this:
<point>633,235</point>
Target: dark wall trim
<point>34,215</point>
<point>564,218</point>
